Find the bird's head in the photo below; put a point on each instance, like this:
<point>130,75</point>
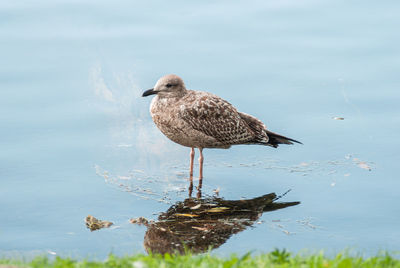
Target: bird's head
<point>169,85</point>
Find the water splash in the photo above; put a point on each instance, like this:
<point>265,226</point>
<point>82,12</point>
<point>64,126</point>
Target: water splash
<point>118,96</point>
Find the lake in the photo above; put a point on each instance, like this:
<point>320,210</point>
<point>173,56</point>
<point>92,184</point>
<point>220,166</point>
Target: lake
<point>77,138</point>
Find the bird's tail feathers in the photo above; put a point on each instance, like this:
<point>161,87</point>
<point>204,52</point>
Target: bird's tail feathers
<point>262,135</point>
<point>276,139</point>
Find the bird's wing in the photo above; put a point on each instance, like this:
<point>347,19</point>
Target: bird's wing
<point>258,128</point>
<point>215,117</point>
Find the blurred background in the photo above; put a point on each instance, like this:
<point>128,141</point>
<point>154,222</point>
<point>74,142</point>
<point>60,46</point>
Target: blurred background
<point>76,137</point>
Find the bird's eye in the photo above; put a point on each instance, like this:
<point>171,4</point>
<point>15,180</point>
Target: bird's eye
<point>169,85</point>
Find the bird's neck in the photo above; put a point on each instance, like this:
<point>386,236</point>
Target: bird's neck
<point>161,102</point>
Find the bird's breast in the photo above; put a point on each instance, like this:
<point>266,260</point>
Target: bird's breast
<point>165,115</point>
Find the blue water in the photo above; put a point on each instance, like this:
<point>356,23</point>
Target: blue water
<point>77,139</point>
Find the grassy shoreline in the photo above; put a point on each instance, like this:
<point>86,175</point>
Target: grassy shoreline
<point>276,258</point>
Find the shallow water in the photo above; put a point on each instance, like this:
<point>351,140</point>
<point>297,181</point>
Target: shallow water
<point>77,138</point>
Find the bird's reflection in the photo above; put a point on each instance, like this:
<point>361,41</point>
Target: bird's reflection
<point>190,189</point>
<point>197,225</point>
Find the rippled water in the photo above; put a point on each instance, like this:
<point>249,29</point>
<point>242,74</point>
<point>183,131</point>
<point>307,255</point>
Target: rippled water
<point>77,138</point>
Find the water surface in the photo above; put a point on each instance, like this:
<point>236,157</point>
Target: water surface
<point>77,138</point>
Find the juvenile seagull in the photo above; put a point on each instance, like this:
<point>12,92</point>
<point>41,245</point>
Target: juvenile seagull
<point>201,120</point>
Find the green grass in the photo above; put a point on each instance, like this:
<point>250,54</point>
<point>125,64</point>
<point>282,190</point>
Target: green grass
<point>277,258</point>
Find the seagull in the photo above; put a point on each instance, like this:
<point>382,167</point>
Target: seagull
<point>199,119</point>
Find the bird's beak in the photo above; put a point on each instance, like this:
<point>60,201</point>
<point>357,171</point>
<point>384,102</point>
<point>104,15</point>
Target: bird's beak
<point>149,92</point>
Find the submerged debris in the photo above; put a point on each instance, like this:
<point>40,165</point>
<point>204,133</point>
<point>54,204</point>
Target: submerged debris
<point>95,224</point>
<point>139,221</point>
<point>362,164</point>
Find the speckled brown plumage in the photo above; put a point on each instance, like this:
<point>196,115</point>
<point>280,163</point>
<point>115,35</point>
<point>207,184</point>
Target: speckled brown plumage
<point>199,119</point>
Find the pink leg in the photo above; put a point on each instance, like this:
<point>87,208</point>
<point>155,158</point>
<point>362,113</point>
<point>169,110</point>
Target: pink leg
<point>191,162</point>
<point>201,160</point>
